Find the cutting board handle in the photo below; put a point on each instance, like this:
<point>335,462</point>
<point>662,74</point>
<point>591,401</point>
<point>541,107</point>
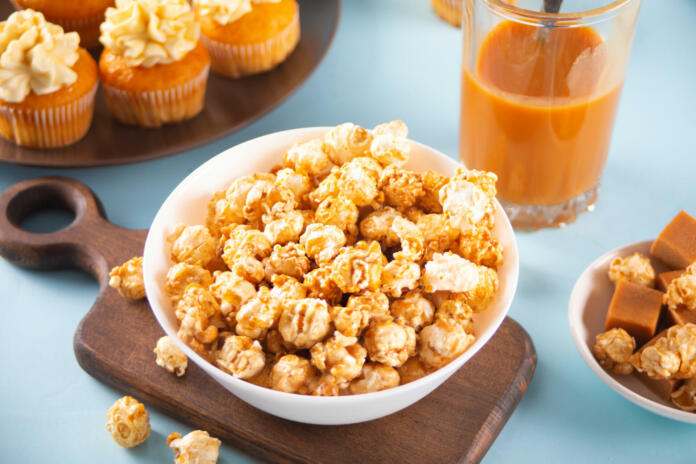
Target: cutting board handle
<point>87,243</point>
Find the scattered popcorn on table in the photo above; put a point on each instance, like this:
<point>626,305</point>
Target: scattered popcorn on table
<point>339,272</point>
<point>170,357</point>
<point>634,268</point>
<point>196,447</point>
<point>128,278</point>
<point>613,350</point>
<point>681,292</point>
<point>127,422</point>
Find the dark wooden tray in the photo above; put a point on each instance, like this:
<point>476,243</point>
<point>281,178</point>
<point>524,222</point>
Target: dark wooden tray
<point>229,105</point>
<point>458,422</point>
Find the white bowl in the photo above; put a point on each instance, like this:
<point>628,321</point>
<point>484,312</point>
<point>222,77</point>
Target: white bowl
<point>187,204</point>
<point>587,310</point>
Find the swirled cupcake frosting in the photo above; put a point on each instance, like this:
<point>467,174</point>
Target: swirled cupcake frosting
<point>226,11</point>
<point>35,56</point>
<point>150,32</point>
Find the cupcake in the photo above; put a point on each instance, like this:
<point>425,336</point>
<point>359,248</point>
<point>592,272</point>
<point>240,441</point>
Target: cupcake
<point>47,83</point>
<point>83,17</point>
<point>154,68</point>
<point>449,10</point>
<point>248,36</point>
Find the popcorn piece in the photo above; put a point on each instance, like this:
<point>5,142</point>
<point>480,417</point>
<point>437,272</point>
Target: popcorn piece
<point>413,310</point>
<point>634,268</point>
<point>127,422</point>
<point>192,245</point>
<point>390,343</point>
<point>231,292</point>
<point>482,179</point>
<point>441,342</point>
<point>375,377</point>
<point>248,268</point>
<point>325,385</point>
<point>267,199</point>
<point>245,242</point>
<point>198,312</point>
<point>341,356</point>
<point>357,180</point>
<point>465,204</point>
<point>411,370</point>
<point>401,188</point>
<point>613,350</point>
<point>399,275</point>
<point>170,357</point>
<point>456,312</point>
<point>292,374</point>
<point>181,275</point>
<point>307,157</point>
<point>345,142</point>
<point>360,309</point>
<point>672,355</point>
<point>438,235</point>
<point>338,211</point>
<point>258,315</point>
<point>322,242</point>
<point>479,246</point>
<point>657,361</point>
<point>483,294</point>
<point>297,182</point>
<point>305,322</point>
<point>240,356</point>
<point>284,228</point>
<point>319,284</point>
<point>196,447</point>
<point>681,292</point>
<point>685,396</point>
<point>389,144</point>
<point>432,183</point>
<point>274,343</point>
<point>378,226</point>
<point>287,259</point>
<point>448,271</point>
<point>411,239</point>
<point>128,278</point>
<point>358,268</point>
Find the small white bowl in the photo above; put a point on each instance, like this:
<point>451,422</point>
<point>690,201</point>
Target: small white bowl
<point>188,204</point>
<point>587,310</point>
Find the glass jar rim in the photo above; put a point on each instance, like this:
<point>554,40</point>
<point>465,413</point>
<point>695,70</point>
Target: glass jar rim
<point>591,16</point>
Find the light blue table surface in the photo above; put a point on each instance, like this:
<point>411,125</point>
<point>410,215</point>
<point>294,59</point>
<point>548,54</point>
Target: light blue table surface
<point>392,59</point>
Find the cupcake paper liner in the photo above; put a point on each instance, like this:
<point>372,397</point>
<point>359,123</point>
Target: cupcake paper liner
<point>154,108</point>
<point>241,60</point>
<point>449,10</point>
<point>49,127</point>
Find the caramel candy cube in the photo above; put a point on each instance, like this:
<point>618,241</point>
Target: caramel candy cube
<point>636,309</point>
<point>664,278</point>
<point>679,316</point>
<point>661,387</point>
<point>676,244</point>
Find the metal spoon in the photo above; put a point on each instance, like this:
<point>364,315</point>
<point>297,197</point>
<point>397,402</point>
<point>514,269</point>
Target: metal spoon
<point>550,6</point>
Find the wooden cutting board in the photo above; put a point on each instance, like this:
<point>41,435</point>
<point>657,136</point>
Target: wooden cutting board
<point>458,422</point>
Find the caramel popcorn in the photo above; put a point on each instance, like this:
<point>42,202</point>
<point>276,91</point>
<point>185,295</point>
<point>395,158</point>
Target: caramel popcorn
<point>127,422</point>
<point>375,377</point>
<point>192,245</point>
<point>613,350</point>
<point>634,268</point>
<point>672,355</point>
<point>170,357</point>
<point>127,278</point>
<point>197,447</point>
<point>240,356</point>
<point>338,267</point>
<point>681,292</point>
<point>685,396</point>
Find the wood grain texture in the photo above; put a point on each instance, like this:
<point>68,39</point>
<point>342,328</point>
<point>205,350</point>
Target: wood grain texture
<point>458,422</point>
<point>229,105</point>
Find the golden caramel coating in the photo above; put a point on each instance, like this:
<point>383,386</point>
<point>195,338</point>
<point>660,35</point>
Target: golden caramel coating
<point>248,268</point>
<point>324,385</point>
<point>450,272</point>
<point>267,199</point>
<point>128,423</point>
<point>378,226</point>
<point>289,260</point>
<point>357,180</point>
<point>284,228</point>
<point>273,343</point>
<point>430,200</point>
<point>297,182</point>
<point>481,296</point>
<point>672,355</point>
<point>389,144</point>
<point>170,357</point>
<point>681,292</point>
<point>411,239</point>
<point>635,268</point>
<point>192,245</point>
<point>438,235</point>
<point>292,374</point>
<point>685,396</point>
<point>441,342</point>
<point>305,322</point>
<point>413,310</point>
<point>196,447</point>
<point>258,315</point>
<point>465,204</point>
<point>240,356</point>
<point>351,320</point>
<point>345,142</point>
<point>181,275</point>
<point>343,357</point>
<point>127,278</point>
<point>375,377</point>
<point>399,276</point>
<point>231,292</point>
<point>401,188</point>
<point>657,361</point>
<point>321,242</point>
<point>198,313</point>
<point>456,312</point>
<point>319,284</point>
<point>480,247</point>
<point>482,179</point>
<point>613,350</point>
<point>358,267</point>
<point>245,242</point>
<point>413,369</point>
<point>338,211</point>
<point>195,295</point>
<point>308,158</point>
<point>389,342</point>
